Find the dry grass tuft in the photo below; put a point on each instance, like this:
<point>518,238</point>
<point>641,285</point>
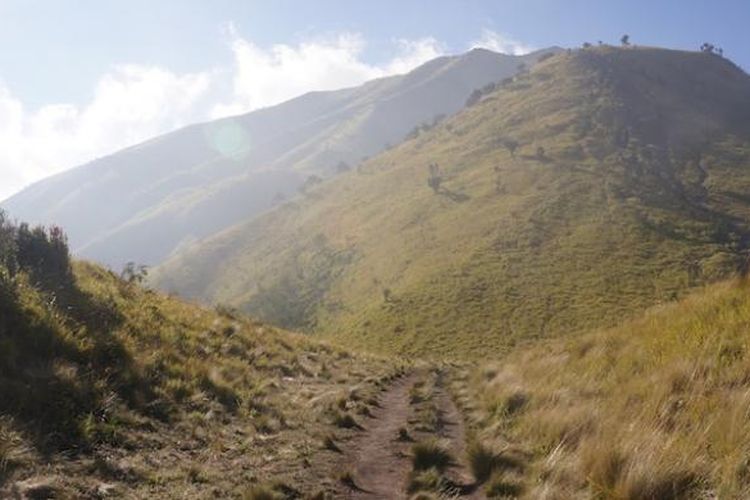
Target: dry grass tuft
<point>431,454</point>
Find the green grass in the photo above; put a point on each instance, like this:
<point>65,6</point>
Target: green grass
<point>637,198</point>
<point>111,383</point>
<point>655,408</point>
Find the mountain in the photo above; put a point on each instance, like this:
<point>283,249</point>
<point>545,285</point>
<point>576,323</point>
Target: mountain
<point>600,182</point>
<point>142,203</point>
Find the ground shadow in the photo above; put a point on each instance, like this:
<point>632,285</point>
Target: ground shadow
<point>59,368</point>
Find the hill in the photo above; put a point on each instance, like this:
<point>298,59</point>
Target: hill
<point>601,182</point>
<point>112,390</point>
<point>142,203</point>
<point>655,408</point>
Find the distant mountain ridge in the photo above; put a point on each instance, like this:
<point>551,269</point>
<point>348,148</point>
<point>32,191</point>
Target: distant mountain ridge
<point>141,203</point>
<point>599,183</point>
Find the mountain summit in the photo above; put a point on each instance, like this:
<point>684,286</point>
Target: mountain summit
<point>141,203</point>
<point>600,182</point>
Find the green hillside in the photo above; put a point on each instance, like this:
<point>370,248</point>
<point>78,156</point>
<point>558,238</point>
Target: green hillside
<point>655,408</point>
<point>196,181</point>
<point>628,186</point>
<point>110,390</point>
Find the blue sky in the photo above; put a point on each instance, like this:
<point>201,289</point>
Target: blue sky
<point>53,50</point>
<point>80,78</point>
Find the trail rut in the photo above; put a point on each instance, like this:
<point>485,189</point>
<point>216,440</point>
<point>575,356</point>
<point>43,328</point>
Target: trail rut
<point>380,463</point>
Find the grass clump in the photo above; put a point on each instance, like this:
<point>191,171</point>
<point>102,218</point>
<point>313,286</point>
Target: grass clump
<point>431,454</point>
<point>345,421</point>
<point>329,443</point>
<point>347,479</point>
<point>484,461</point>
<point>261,493</point>
<point>426,480</point>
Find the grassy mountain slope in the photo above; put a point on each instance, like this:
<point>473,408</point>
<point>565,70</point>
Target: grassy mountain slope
<point>141,203</point>
<point>655,408</point>
<point>629,185</point>
<point>111,390</point>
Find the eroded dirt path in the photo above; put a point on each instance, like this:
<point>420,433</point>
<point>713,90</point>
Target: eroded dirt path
<point>380,462</point>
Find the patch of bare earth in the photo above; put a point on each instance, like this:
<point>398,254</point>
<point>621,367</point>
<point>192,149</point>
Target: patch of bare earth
<point>377,463</point>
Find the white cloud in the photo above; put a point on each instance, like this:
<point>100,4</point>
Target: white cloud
<point>267,77</point>
<point>132,103</point>
<point>412,53</point>
<point>501,43</point>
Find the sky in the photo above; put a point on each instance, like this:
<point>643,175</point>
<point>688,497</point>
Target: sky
<point>83,78</point>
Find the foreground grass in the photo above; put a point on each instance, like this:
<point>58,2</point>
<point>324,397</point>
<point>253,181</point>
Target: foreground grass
<point>656,408</point>
<point>107,388</point>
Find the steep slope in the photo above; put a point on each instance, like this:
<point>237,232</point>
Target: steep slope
<point>655,408</point>
<point>628,185</point>
<point>111,390</point>
<point>141,203</point>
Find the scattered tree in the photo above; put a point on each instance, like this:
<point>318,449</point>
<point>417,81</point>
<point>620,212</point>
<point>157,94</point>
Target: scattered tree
<point>540,153</point>
<point>625,40</point>
<point>134,274</point>
<point>710,48</point>
<point>7,245</point>
<point>435,178</point>
<point>310,182</point>
<point>342,167</point>
<point>511,145</point>
<point>586,45</point>
<point>473,98</point>
<point>44,253</point>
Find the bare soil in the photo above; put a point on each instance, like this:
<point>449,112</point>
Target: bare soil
<point>376,464</point>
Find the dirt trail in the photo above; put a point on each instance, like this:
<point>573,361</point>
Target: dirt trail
<point>380,463</point>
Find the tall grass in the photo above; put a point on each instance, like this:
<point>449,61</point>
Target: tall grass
<point>656,408</point>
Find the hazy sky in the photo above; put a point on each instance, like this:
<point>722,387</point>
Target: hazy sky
<point>81,78</point>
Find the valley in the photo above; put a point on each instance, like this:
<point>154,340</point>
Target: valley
<point>491,276</point>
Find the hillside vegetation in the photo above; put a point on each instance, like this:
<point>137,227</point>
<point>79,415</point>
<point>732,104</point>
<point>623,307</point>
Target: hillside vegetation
<point>597,184</point>
<point>655,408</point>
<point>142,203</point>
<point>110,390</point>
